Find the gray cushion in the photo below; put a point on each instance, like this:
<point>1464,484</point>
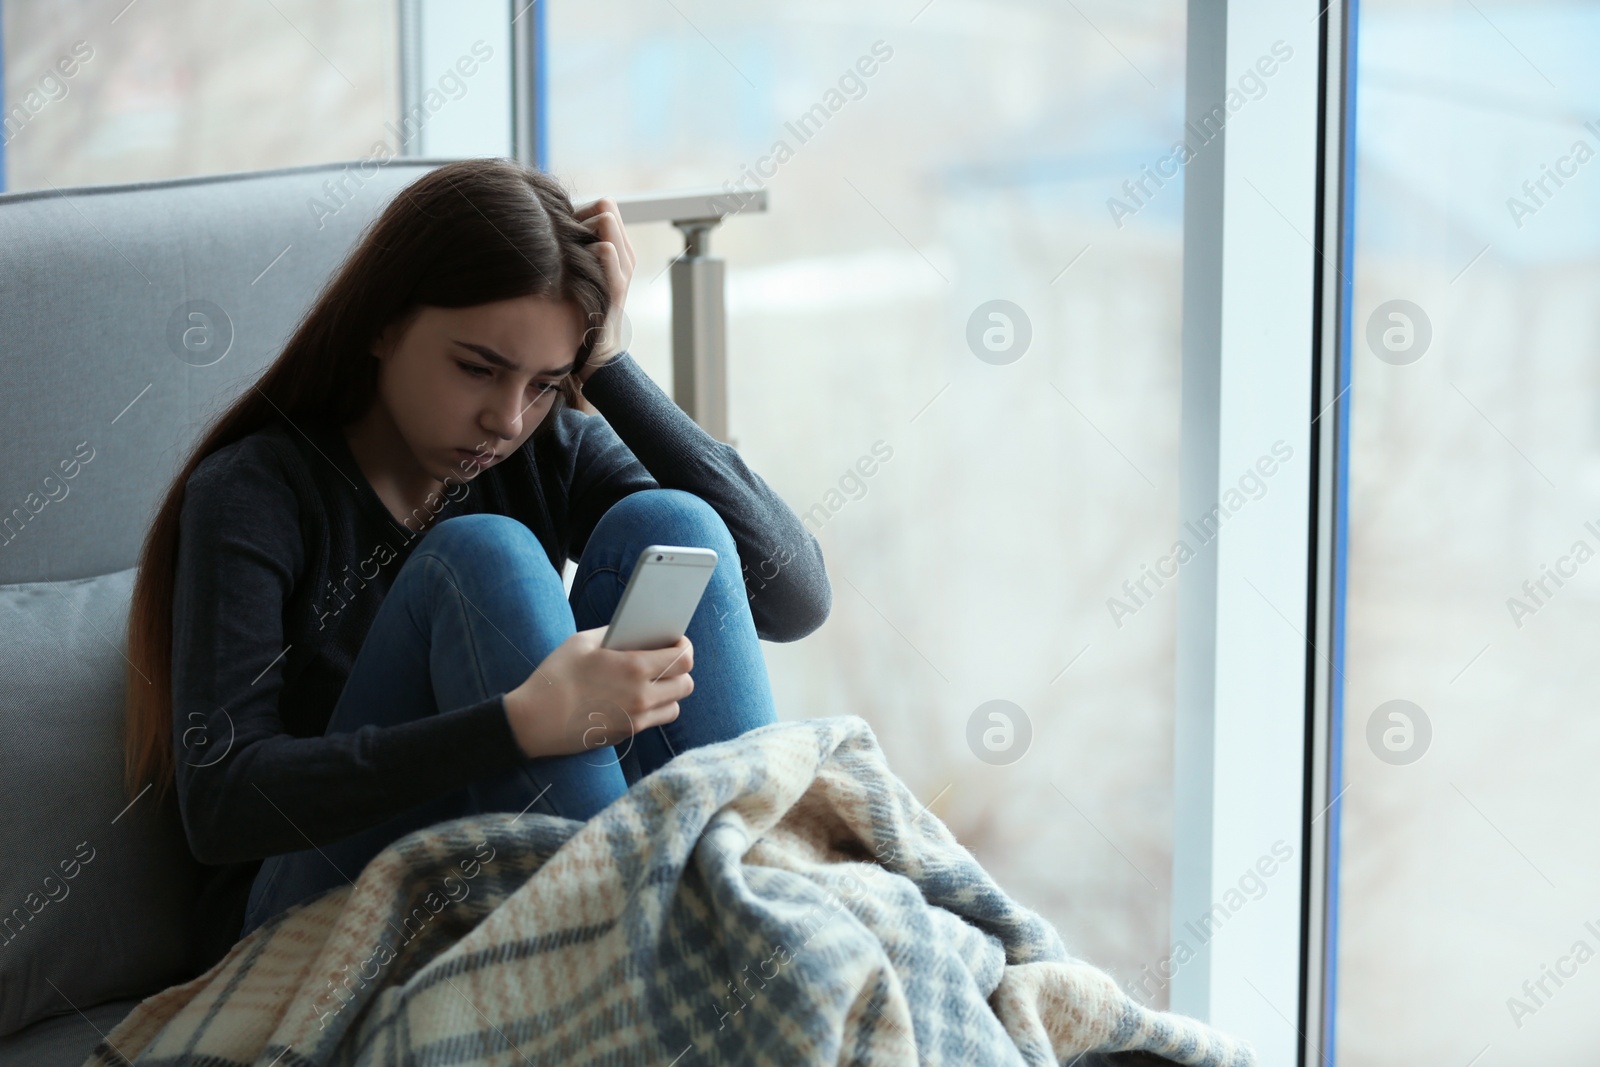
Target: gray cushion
<point>63,1040</point>
<point>105,384</point>
<point>132,314</point>
<point>94,893</point>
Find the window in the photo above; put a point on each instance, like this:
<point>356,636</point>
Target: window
<point>954,349</point>
<point>107,93</point>
<point>1467,883</point>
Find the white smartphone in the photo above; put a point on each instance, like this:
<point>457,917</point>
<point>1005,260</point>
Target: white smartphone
<point>659,600</point>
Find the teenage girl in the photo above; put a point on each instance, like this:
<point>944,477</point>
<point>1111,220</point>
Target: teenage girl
<point>350,621</point>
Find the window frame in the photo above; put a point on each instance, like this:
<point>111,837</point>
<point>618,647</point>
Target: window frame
<point>1257,758</point>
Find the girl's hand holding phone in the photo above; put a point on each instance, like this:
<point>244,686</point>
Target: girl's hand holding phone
<point>584,697</point>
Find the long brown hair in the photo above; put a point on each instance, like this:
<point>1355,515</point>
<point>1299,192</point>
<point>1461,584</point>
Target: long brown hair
<point>466,233</point>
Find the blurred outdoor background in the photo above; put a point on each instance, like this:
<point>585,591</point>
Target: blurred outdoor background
<point>1474,469</point>
<point>975,563</point>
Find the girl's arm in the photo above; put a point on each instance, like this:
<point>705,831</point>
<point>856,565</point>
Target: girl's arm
<point>247,789</point>
<point>645,441</point>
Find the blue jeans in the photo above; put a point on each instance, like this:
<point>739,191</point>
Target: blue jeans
<point>474,609</point>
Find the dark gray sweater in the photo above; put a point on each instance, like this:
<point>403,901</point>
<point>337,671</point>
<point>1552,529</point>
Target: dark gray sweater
<point>285,553</point>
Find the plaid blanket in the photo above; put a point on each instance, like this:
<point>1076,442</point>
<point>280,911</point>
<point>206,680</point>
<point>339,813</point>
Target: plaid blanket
<point>778,899</point>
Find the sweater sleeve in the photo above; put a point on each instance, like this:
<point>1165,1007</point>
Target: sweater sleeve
<point>645,440</point>
<point>246,789</point>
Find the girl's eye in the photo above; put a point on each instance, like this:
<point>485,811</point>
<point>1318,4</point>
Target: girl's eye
<point>480,372</point>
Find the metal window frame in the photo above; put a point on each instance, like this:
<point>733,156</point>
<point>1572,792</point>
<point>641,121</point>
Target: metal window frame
<point>530,101</point>
<point>2,97</point>
<point>1338,172</point>
<point>1265,356</point>
<point>480,121</point>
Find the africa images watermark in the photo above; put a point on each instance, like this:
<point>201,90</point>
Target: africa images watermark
<point>1536,992</point>
<point>384,553</point>
<point>1251,885</point>
<point>14,922</point>
<point>1536,592</point>
<point>381,956</point>
<point>52,87</point>
<point>1537,191</point>
<point>1252,485</point>
<point>451,87</point>
<point>1252,85</point>
<point>332,602</point>
<point>852,85</point>
<point>852,486</point>
<point>55,490</point>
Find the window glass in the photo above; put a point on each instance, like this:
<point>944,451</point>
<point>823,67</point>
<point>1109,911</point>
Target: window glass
<point>103,93</point>
<point>954,349</point>
<point>1468,923</point>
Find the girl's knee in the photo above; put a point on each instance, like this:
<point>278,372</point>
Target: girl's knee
<point>483,537</point>
<point>677,515</point>
<point>473,531</point>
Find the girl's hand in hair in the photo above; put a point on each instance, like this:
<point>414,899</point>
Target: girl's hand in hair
<point>583,697</point>
<point>616,255</point>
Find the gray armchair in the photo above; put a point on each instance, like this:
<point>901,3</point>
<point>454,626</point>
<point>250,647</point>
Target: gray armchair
<point>129,315</point>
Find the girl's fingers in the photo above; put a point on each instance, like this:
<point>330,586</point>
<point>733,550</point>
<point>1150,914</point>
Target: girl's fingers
<point>611,261</point>
<point>613,249</point>
<point>610,240</point>
<point>617,234</point>
<point>656,716</point>
<point>627,242</point>
<point>608,226</point>
<point>677,658</point>
<point>670,690</point>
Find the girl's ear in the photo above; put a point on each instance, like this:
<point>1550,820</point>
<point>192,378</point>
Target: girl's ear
<point>384,344</point>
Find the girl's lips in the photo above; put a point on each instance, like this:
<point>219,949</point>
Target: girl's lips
<point>474,457</point>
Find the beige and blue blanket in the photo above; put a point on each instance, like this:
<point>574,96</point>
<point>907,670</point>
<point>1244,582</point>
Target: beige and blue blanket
<point>778,899</point>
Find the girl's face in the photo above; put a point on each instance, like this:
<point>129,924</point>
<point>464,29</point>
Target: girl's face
<point>465,387</point>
